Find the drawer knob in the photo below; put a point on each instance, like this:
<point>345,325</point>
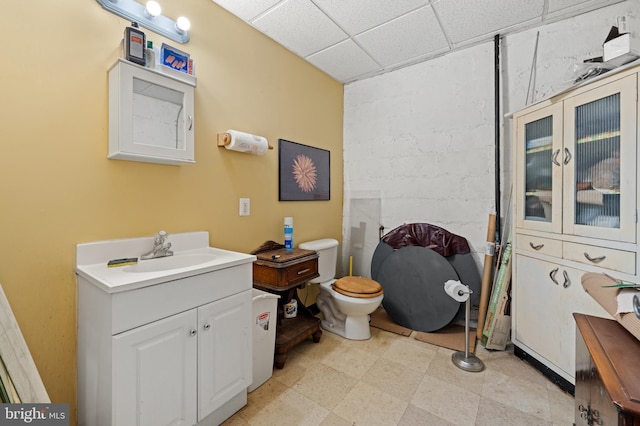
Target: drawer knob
<point>536,246</point>
<point>594,259</point>
<point>304,271</point>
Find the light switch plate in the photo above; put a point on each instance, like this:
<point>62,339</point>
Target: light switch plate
<point>245,206</point>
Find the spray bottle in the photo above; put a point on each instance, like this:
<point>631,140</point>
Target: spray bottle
<point>288,233</point>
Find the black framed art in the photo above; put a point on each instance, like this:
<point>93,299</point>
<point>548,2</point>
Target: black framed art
<point>304,172</point>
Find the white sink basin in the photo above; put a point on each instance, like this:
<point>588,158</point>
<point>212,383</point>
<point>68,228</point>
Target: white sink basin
<point>192,255</point>
<point>176,261</point>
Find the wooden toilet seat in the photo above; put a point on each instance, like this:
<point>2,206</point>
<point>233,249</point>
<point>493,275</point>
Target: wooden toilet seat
<point>358,287</point>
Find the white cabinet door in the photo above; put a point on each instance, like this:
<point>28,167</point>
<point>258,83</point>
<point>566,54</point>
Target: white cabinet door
<point>600,162</point>
<point>224,351</point>
<point>539,170</point>
<point>150,116</point>
<point>545,297</point>
<point>154,373</point>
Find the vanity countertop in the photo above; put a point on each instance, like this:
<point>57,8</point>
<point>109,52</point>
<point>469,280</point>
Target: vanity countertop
<point>192,256</point>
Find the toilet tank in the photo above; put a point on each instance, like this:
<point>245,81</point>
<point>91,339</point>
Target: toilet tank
<point>327,257</point>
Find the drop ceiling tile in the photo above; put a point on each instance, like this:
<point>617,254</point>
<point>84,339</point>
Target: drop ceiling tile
<point>344,61</point>
<point>300,27</point>
<point>556,5</point>
<point>246,9</point>
<point>412,35</point>
<point>466,20</point>
<point>356,16</point>
<point>561,8</point>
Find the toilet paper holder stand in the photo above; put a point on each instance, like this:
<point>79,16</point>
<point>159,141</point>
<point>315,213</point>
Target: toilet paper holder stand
<point>464,360</point>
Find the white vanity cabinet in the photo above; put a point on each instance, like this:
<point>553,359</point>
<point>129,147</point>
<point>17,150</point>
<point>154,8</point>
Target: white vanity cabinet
<point>575,211</point>
<point>191,363</point>
<point>150,114</point>
<point>172,349</point>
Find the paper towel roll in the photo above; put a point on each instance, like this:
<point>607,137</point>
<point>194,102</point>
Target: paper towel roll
<point>245,142</point>
<point>456,290</point>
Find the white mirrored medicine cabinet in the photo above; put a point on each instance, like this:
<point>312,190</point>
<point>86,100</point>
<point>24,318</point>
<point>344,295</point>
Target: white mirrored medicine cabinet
<point>150,114</point>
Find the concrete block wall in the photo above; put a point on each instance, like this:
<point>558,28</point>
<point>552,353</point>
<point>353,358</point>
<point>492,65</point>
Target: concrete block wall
<point>421,139</point>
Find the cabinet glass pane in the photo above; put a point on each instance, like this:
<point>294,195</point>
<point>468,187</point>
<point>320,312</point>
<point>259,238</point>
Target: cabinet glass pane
<point>158,115</point>
<point>597,163</point>
<point>538,172</point>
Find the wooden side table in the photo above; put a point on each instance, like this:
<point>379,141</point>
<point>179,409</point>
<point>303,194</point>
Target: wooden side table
<point>282,272</point>
<point>607,373</point>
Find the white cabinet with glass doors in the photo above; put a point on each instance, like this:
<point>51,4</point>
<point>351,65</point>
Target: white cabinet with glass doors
<point>576,164</point>
<point>575,208</point>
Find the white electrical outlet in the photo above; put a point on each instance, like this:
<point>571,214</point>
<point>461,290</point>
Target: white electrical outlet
<point>245,206</point>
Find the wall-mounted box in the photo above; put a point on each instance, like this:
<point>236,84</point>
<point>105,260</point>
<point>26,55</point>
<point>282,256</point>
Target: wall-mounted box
<point>620,50</point>
<point>150,114</point>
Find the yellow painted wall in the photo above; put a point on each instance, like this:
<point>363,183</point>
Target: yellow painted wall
<point>57,188</point>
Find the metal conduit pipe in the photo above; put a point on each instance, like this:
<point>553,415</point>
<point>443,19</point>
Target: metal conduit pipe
<point>497,118</point>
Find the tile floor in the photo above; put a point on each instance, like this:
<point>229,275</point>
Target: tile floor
<point>397,380</point>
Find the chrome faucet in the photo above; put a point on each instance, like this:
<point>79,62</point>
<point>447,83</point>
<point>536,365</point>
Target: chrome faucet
<point>160,247</point>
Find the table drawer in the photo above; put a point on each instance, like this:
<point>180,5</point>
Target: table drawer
<point>302,272</point>
<point>539,245</point>
<point>617,260</point>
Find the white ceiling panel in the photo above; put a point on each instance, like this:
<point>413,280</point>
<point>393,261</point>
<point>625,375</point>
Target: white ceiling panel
<point>409,36</point>
<point>356,16</point>
<point>247,10</point>
<point>354,39</point>
<point>300,27</point>
<point>466,20</point>
<point>344,61</point>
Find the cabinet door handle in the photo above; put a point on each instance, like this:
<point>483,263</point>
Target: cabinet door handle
<point>567,156</point>
<point>594,259</point>
<point>190,122</point>
<point>192,332</point>
<point>536,246</point>
<point>567,281</point>
<point>636,305</point>
<point>304,271</point>
<point>554,159</point>
<point>552,275</point>
<point>206,326</point>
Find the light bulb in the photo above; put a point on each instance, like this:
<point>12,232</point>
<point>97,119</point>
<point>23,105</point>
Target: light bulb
<point>183,24</point>
<point>153,8</point>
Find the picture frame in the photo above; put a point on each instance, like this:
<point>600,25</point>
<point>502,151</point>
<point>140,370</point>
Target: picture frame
<point>304,172</point>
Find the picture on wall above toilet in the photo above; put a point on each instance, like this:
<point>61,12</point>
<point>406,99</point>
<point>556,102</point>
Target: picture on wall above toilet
<point>304,172</point>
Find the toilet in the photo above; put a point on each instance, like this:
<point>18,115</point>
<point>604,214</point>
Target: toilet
<point>345,303</point>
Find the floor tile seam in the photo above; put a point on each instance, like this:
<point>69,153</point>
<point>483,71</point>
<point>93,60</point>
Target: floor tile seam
<point>422,369</point>
<point>359,378</point>
<point>517,407</point>
<point>408,400</point>
<point>394,399</point>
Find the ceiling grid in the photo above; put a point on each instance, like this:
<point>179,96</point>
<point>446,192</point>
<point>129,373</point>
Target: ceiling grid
<point>355,39</point>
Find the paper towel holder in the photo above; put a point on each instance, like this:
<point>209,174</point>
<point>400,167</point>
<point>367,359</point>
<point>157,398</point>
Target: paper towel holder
<point>224,139</point>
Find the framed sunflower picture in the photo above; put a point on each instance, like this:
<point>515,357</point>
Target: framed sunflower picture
<point>304,172</point>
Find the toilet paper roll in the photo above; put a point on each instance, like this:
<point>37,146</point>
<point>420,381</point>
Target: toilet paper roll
<point>245,142</point>
<point>456,290</point>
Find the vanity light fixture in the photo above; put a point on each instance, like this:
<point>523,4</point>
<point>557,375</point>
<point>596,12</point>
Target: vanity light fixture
<point>150,16</point>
